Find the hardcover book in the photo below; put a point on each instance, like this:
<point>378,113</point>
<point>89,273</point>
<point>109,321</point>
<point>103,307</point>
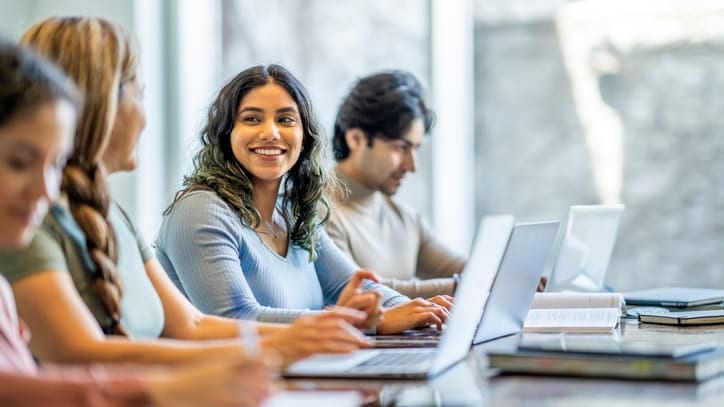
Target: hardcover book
<point>693,366</point>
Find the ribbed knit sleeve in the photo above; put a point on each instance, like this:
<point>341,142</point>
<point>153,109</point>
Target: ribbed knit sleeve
<point>421,288</point>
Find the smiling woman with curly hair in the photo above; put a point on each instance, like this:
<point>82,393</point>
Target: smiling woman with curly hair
<point>244,237</point>
<point>304,185</point>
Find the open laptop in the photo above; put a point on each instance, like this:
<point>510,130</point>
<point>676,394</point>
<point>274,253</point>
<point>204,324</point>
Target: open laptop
<point>515,284</point>
<point>511,291</point>
<point>480,270</point>
<point>586,248</point>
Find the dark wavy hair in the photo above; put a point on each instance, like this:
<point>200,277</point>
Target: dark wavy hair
<point>305,188</point>
<point>381,105</point>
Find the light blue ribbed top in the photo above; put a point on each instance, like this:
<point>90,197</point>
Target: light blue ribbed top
<point>225,268</point>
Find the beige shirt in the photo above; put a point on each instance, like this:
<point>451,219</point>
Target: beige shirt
<point>383,236</point>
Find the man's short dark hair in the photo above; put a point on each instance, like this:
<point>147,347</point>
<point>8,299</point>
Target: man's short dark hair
<point>381,105</point>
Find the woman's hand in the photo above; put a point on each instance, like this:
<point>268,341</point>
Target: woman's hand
<point>414,314</point>
<point>328,332</point>
<point>227,382</point>
<point>444,301</point>
<point>367,301</point>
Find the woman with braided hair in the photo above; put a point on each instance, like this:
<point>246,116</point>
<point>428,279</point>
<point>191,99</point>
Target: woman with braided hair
<point>88,285</point>
<point>108,92</point>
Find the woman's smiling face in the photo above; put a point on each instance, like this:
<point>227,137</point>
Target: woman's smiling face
<point>33,150</point>
<point>268,132</point>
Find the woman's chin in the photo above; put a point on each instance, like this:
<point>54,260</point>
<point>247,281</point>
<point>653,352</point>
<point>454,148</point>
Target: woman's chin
<point>16,241</point>
<point>129,165</point>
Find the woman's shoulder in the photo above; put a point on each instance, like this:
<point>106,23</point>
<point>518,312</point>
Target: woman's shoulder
<point>60,224</point>
<point>46,251</point>
<point>197,200</point>
<point>199,210</point>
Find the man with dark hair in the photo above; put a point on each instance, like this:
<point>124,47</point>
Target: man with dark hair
<point>378,130</point>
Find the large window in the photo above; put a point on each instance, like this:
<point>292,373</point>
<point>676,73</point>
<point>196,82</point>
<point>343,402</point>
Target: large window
<point>603,101</point>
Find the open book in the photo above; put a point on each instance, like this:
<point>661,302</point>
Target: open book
<point>574,312</point>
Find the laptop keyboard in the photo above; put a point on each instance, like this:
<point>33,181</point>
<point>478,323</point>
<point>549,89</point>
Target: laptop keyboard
<point>402,358</point>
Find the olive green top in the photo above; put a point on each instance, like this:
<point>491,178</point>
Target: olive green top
<point>60,246</point>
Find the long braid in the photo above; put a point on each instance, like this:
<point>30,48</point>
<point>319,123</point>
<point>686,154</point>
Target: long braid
<point>98,56</point>
<point>89,204</point>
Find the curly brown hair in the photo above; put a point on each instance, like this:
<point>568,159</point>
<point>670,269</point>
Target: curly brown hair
<point>305,188</point>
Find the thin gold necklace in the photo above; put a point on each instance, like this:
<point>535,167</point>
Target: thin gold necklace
<point>273,229</point>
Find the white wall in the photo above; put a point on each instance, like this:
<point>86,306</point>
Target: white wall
<point>18,15</point>
<point>12,18</point>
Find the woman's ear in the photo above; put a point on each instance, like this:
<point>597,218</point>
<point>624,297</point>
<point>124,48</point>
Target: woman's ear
<point>356,138</point>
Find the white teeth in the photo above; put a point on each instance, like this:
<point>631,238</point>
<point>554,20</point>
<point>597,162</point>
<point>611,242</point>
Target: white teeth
<point>268,151</point>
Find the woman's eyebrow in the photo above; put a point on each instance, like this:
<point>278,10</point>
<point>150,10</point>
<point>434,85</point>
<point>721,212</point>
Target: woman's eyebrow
<point>289,109</point>
<point>251,109</point>
<point>26,148</point>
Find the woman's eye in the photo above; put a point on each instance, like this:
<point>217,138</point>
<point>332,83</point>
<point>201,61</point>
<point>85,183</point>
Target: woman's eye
<point>287,120</point>
<point>18,164</point>
<point>250,119</point>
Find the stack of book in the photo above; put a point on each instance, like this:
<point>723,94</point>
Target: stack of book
<point>599,357</point>
<point>677,306</point>
<point>683,318</point>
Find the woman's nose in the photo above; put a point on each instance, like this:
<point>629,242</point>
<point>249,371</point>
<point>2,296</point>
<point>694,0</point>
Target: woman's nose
<point>269,131</point>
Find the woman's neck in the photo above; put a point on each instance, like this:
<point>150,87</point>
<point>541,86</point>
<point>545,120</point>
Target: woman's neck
<point>110,165</point>
<point>265,199</point>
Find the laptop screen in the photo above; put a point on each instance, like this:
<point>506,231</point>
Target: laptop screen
<point>480,271</point>
<point>515,284</point>
<point>586,248</point>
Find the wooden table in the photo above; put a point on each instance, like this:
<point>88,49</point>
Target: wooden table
<point>471,383</point>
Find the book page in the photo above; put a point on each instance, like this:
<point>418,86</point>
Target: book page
<point>577,300</point>
<point>572,319</point>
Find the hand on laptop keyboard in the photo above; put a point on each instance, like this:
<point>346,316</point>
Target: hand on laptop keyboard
<point>414,314</point>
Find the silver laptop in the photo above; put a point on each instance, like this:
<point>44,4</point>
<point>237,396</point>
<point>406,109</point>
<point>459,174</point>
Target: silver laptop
<point>586,248</point>
<point>511,291</point>
<point>515,284</point>
<point>480,270</point>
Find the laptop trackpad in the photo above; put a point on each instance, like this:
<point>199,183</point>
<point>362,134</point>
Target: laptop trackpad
<point>331,363</point>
